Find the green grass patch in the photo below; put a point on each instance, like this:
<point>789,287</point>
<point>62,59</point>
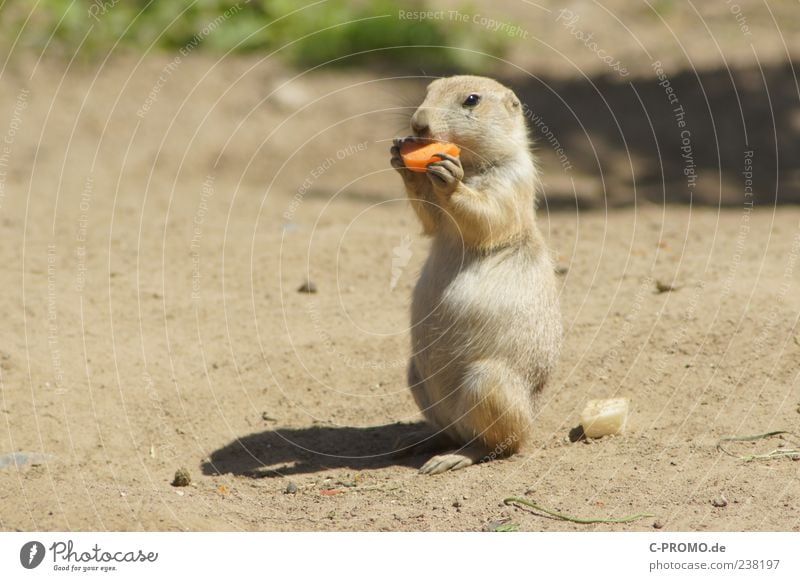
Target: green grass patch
<point>305,33</point>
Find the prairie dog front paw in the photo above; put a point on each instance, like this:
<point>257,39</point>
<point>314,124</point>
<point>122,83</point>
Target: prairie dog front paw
<point>411,179</point>
<point>445,175</point>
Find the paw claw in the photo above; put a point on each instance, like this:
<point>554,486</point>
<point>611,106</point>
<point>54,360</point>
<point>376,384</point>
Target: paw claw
<point>396,159</point>
<point>445,462</point>
<point>445,174</point>
<point>447,157</point>
<point>439,173</point>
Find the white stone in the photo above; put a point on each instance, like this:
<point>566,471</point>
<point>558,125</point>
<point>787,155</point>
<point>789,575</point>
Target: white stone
<point>604,417</point>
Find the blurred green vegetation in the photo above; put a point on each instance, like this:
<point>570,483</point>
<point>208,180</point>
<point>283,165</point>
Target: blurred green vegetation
<point>306,33</point>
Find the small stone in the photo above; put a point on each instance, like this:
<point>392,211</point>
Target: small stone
<point>719,502</point>
<point>291,488</point>
<point>457,504</point>
<point>308,287</point>
<point>182,477</point>
<point>658,525</point>
<point>665,287</point>
<point>561,269</point>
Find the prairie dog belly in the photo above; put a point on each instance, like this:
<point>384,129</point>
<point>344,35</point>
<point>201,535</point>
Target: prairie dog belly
<point>468,308</point>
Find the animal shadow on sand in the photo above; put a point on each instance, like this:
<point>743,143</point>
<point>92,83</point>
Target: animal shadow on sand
<point>285,452</point>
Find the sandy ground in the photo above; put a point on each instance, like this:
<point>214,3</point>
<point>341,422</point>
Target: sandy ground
<point>151,318</point>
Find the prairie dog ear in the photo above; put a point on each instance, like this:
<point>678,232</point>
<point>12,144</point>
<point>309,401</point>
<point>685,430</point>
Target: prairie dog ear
<point>511,102</point>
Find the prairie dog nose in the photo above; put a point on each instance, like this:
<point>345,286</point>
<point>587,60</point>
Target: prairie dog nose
<point>419,123</point>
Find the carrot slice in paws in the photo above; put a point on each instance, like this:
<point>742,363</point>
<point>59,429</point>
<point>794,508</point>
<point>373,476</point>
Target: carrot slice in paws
<point>418,154</point>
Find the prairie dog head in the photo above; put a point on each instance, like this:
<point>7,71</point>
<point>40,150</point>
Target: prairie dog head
<point>481,116</point>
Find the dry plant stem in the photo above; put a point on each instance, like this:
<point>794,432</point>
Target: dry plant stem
<point>754,438</point>
<point>777,453</point>
<point>585,521</point>
<point>769,455</point>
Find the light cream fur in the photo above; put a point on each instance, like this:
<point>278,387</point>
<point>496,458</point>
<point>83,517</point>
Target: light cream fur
<point>486,327</point>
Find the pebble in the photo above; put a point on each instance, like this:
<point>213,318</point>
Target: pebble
<point>308,287</point>
<point>719,502</point>
<point>663,287</point>
<point>291,488</point>
<point>182,477</point>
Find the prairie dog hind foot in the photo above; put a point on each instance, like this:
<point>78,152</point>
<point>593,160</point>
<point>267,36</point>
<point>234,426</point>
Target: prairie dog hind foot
<point>455,460</point>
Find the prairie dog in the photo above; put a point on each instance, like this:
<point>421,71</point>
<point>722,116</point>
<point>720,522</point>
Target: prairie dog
<point>485,321</point>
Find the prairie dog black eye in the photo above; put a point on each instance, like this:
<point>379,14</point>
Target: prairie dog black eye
<point>471,100</point>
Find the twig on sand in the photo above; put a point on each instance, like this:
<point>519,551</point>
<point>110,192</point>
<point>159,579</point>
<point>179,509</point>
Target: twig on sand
<point>585,521</point>
<point>776,453</point>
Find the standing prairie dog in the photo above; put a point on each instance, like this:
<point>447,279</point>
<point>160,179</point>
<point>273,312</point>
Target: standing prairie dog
<point>485,322</point>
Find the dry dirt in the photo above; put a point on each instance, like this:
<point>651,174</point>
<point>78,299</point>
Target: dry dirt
<point>150,269</point>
